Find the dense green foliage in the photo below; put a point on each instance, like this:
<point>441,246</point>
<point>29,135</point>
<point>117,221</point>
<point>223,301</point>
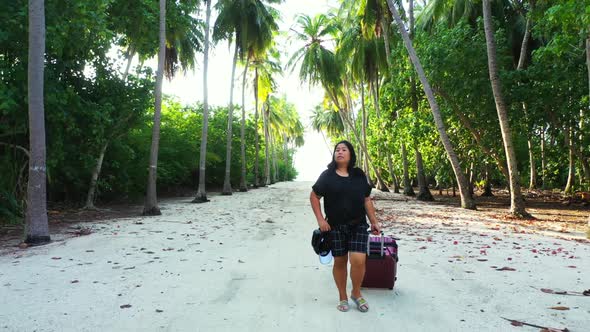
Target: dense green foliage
<point>90,102</point>
<point>547,98</point>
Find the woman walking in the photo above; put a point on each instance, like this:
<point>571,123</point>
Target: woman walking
<point>346,191</point>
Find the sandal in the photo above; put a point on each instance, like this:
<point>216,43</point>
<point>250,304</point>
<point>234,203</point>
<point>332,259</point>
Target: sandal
<point>361,304</point>
<point>343,306</point>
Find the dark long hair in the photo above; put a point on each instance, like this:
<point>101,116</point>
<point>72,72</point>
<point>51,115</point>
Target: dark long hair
<point>351,164</point>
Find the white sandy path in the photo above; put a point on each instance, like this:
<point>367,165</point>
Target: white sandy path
<point>244,263</point>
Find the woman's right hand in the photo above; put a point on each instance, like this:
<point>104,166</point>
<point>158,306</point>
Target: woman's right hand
<point>324,226</point>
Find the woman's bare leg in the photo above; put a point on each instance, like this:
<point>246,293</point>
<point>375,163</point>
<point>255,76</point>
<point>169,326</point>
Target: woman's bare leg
<point>340,272</point>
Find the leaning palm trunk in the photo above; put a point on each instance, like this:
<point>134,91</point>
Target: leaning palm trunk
<point>227,189</point>
<point>516,202</point>
<point>466,200</point>
<point>36,223</point>
<point>202,192</point>
<point>243,183</point>
<point>94,179</point>
<point>150,207</point>
<point>130,56</point>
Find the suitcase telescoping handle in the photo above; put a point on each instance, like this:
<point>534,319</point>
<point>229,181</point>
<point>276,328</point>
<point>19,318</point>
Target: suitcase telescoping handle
<point>382,245</point>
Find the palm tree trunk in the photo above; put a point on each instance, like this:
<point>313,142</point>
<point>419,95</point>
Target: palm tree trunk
<point>423,193</point>
<point>150,207</point>
<point>265,115</point>
<point>524,45</point>
<point>517,207</point>
<point>467,201</point>
<point>570,178</point>
<point>385,28</point>
<point>373,87</point>
<point>533,170</point>
<point>380,183</point>
<point>364,133</point>
<point>227,189</point>
<point>243,183</point>
<point>471,178</point>
<point>408,189</point>
<point>94,179</point>
<point>256,138</point>
<point>391,172</point>
<point>588,60</point>
<point>285,157</point>
<point>202,191</point>
<point>487,189</point>
<point>275,176</point>
<point>36,223</point>
<point>543,163</point>
<point>130,56</point>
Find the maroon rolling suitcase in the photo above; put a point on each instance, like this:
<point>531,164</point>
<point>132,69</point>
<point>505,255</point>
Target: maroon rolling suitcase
<point>381,264</point>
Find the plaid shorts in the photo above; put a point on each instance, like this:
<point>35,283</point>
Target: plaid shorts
<point>349,238</point>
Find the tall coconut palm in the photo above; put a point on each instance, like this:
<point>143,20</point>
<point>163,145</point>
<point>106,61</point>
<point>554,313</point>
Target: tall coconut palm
<point>516,202</point>
<point>452,12</point>
<point>467,201</point>
<point>267,142</point>
<point>320,65</point>
<point>266,67</point>
<point>36,223</point>
<point>151,202</point>
<point>202,192</point>
<point>183,41</point>
<point>327,120</point>
<point>252,24</point>
<point>366,55</point>
<point>424,193</point>
<point>284,127</point>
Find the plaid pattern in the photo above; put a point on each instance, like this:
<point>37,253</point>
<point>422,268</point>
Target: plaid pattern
<point>349,238</point>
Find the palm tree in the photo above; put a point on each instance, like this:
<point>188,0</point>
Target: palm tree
<point>327,120</point>
<point>284,127</point>
<point>320,65</point>
<point>266,66</point>
<point>366,55</point>
<point>36,223</point>
<point>253,26</point>
<point>151,202</point>
<point>202,192</point>
<point>423,191</point>
<point>467,201</point>
<point>516,202</point>
<point>183,41</point>
<point>452,12</point>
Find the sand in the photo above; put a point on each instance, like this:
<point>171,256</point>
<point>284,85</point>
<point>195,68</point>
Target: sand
<point>244,262</point>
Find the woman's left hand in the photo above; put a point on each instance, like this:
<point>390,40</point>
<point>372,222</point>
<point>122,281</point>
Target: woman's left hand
<point>375,229</point>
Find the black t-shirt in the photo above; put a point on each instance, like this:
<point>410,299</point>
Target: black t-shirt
<point>344,197</point>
